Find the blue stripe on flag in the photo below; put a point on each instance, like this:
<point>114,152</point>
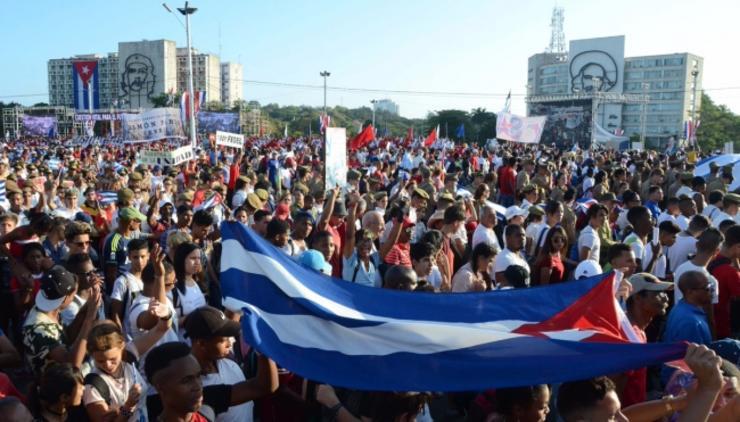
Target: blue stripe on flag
<point>374,339</point>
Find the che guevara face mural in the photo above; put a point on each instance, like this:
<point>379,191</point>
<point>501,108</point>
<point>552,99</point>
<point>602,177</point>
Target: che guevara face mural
<point>137,80</point>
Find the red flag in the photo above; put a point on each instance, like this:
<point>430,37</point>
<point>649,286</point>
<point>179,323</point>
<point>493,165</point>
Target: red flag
<point>362,139</point>
<point>431,138</point>
<point>409,136</point>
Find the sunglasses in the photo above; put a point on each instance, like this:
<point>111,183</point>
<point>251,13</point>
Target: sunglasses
<point>88,275</point>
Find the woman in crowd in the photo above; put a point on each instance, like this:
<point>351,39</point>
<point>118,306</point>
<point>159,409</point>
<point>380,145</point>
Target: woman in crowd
<point>187,267</point>
<point>359,264</point>
<point>58,391</point>
<point>475,276</point>
<point>549,267</point>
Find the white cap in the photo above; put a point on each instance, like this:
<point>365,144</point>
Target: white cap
<point>514,211</point>
<point>587,268</point>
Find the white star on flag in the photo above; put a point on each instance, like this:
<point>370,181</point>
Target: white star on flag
<point>85,70</point>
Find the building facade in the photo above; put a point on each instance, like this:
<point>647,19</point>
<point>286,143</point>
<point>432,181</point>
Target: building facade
<point>387,105</point>
<point>146,69</point>
<point>232,83</point>
<point>206,73</point>
<point>593,82</point>
<point>131,77</point>
<point>66,89</point>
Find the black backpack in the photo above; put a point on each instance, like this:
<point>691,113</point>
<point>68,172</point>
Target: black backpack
<point>99,383</point>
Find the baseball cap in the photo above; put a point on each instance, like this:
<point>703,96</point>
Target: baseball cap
<point>131,213</point>
<point>588,268</point>
<point>514,211</point>
<point>208,322</point>
<point>56,284</point>
<point>646,281</point>
<point>314,260</point>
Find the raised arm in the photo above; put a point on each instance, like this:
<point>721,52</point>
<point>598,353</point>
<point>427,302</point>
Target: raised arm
<point>265,383</point>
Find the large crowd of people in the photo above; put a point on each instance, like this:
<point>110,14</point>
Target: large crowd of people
<point>112,307</point>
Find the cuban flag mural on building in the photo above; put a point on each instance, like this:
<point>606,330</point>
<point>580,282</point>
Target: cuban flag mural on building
<point>85,76</point>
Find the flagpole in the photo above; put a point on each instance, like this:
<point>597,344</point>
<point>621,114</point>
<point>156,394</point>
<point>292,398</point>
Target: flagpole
<point>187,11</point>
<point>90,102</point>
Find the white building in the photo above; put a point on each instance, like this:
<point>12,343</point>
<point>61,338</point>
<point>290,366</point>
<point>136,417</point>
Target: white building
<point>563,86</point>
<point>232,83</point>
<point>206,73</point>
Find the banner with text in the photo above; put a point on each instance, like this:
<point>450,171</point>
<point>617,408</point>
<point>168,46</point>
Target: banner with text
<point>84,117</point>
<point>39,125</point>
<point>153,125</point>
<point>526,130</point>
<point>209,121</point>
<point>233,140</point>
<point>165,158</point>
<point>336,157</point>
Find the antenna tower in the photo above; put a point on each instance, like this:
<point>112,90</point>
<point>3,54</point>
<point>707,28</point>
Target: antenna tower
<point>557,34</point>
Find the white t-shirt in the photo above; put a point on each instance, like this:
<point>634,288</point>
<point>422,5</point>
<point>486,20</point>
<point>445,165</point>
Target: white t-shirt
<point>683,222</point>
<point>229,373</point>
<point>680,251</point>
<point>464,279</point>
<point>665,216</point>
<point>192,299</point>
<point>622,221</point>
<point>659,269</point>
<point>118,389</point>
<point>483,234</point>
<point>126,285</point>
<point>638,247</point>
<point>508,258</point>
<point>689,266</point>
<point>720,217</point>
<point>531,232</point>
<point>711,212</point>
<point>141,304</point>
<point>590,239</point>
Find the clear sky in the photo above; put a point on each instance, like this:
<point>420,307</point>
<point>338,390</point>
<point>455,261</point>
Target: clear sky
<point>473,46</point>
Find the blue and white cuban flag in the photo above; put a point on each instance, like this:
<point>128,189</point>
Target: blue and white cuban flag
<point>353,336</point>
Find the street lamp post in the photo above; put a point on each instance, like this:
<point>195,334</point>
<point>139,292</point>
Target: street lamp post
<point>325,74</point>
<point>694,75</point>
<point>187,11</point>
<point>643,114</point>
<point>595,92</point>
<point>373,103</point>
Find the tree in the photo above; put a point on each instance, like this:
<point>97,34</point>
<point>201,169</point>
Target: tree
<point>42,104</point>
<point>718,125</point>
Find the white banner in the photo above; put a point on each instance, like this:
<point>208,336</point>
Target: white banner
<point>232,140</point>
<point>526,130</point>
<point>153,125</point>
<point>165,158</point>
<point>729,148</point>
<point>83,117</point>
<point>335,170</point>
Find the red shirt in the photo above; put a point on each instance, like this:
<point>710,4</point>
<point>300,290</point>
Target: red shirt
<point>558,269</point>
<point>400,254</point>
<point>507,181</point>
<point>728,281</point>
<point>635,390</point>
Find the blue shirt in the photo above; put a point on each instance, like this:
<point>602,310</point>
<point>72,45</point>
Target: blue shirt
<point>654,208</point>
<point>687,322</point>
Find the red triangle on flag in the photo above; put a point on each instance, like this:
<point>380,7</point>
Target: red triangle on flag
<point>85,69</point>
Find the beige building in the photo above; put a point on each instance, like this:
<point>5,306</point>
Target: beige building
<point>232,83</point>
<point>206,73</point>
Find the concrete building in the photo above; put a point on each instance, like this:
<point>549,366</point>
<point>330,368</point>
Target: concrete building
<point>232,83</point>
<point>595,79</point>
<point>206,73</point>
<point>146,69</point>
<point>387,105</point>
<point>66,90</point>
